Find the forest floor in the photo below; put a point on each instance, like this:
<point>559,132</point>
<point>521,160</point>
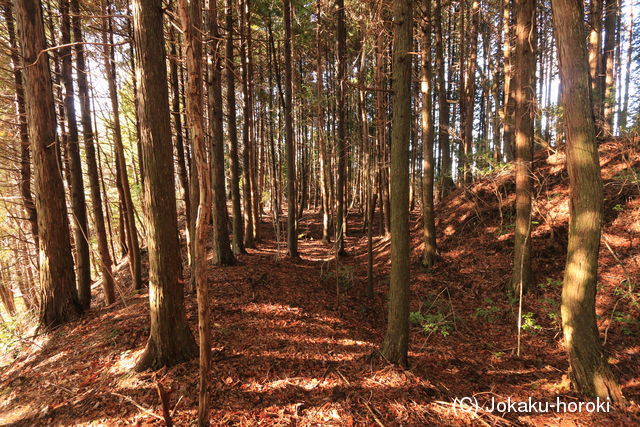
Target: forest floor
<point>287,351</point>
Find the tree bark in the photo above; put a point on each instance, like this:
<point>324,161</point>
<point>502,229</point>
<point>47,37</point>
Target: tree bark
<point>222,254</point>
<point>595,57</point>
<point>611,13</point>
<point>428,214</point>
<point>78,203</point>
<point>624,115</point>
<point>292,237</point>
<point>183,175</point>
<point>191,17</point>
<point>23,127</point>
<point>396,340</point>
<point>237,242</point>
<point>133,246</point>
<point>443,107</point>
<point>524,71</point>
<point>322,149</point>
<point>60,302</point>
<point>341,34</point>
<point>247,134</point>
<point>589,371</point>
<point>170,340</point>
<point>92,165</point>
<point>508,118</point>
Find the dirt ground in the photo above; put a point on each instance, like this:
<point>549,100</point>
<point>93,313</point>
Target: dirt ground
<point>295,342</point>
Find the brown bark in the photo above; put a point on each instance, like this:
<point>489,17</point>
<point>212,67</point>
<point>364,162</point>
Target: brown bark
<point>595,57</point>
<point>222,254</point>
<point>25,162</point>
<point>177,122</point>
<point>508,117</point>
<point>74,170</point>
<point>247,130</point>
<point>237,243</point>
<point>322,149</point>
<point>396,340</point>
<point>92,165</point>
<point>470,92</point>
<point>124,189</point>
<point>191,18</point>
<point>589,371</point>
<point>443,107</point>
<point>607,85</point>
<point>57,279</point>
<point>524,70</point>
<point>426,116</point>
<point>292,237</point>
<point>170,340</point>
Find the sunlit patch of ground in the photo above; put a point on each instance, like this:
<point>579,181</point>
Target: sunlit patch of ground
<point>292,347</point>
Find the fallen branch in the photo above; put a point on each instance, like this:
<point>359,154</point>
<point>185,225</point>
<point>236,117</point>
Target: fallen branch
<point>137,405</point>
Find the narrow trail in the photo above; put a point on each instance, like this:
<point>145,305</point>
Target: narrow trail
<point>285,353</point>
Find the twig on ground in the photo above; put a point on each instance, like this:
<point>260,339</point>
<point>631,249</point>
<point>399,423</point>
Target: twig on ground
<point>137,405</point>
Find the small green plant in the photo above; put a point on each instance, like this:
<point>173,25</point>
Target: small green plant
<point>529,323</point>
<point>550,283</point>
<point>487,313</point>
<point>618,208</point>
<point>431,323</point>
<point>627,322</point>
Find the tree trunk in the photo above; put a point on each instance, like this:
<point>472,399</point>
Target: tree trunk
<point>92,165</point>
<point>133,246</point>
<point>470,92</point>
<point>292,237</point>
<point>78,203</point>
<point>589,370</point>
<point>23,127</point>
<point>624,115</point>
<point>322,149</point>
<point>247,136</point>
<point>170,340</point>
<point>443,107</point>
<point>57,279</point>
<point>428,214</point>
<point>595,57</point>
<point>342,127</point>
<point>611,13</point>
<point>191,18</point>
<point>177,120</point>
<point>222,254</point>
<point>509,100</point>
<point>237,243</point>
<point>396,340</point>
<point>524,71</point>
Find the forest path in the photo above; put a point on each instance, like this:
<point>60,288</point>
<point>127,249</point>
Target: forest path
<point>285,353</point>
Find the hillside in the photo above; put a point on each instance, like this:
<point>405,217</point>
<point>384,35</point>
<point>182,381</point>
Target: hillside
<point>286,353</point>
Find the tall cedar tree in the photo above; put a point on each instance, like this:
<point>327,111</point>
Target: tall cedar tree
<point>524,70</point>
<point>341,34</point>
<point>57,279</point>
<point>122,176</point>
<point>191,18</point>
<point>74,171</point>
<point>292,237</point>
<point>237,243</point>
<point>589,371</point>
<point>222,254</point>
<point>170,340</point>
<point>426,114</point>
<point>396,340</point>
<point>23,128</point>
<point>104,261</point>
